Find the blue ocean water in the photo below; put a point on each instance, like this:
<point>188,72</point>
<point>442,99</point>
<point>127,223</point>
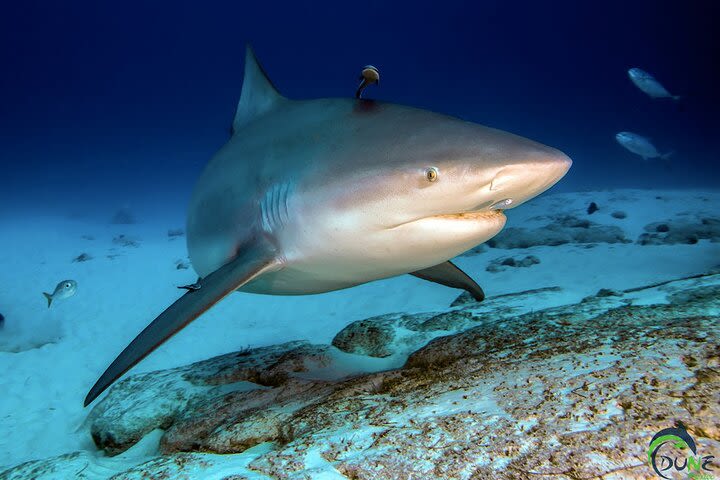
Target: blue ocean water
<point>110,104</point>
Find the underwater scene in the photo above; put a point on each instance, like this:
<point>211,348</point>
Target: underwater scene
<point>368,240</point>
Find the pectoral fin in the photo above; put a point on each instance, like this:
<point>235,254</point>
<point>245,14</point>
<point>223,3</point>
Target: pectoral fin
<point>247,265</point>
<point>450,275</point>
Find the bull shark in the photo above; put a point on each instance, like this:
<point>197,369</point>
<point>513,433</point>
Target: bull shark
<point>310,196</point>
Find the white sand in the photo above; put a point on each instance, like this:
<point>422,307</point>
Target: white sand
<point>43,388</point>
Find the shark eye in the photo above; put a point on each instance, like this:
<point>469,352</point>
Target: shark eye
<point>431,174</point>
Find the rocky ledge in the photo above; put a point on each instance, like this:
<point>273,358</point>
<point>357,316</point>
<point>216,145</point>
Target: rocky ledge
<point>485,392</point>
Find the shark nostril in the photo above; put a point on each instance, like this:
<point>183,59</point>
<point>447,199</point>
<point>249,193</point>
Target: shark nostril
<point>499,181</point>
<point>506,177</point>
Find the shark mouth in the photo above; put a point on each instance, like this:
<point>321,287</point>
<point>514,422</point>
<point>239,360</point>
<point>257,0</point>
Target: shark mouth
<point>485,213</point>
<point>474,215</point>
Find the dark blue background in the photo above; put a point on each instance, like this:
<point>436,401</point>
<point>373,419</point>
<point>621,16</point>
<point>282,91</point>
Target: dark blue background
<point>122,103</point>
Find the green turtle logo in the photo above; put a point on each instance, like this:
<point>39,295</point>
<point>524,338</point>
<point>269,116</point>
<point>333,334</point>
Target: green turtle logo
<point>681,439</point>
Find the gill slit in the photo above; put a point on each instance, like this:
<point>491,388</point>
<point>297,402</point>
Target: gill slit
<point>275,207</point>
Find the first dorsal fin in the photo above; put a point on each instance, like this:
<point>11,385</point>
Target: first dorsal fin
<point>258,93</point>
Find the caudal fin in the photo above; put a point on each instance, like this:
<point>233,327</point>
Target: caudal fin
<point>667,155</point>
<point>49,298</point>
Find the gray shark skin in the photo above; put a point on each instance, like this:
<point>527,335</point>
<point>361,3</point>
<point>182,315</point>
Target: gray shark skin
<point>312,196</point>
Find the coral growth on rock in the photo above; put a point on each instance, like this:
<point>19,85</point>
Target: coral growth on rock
<point>561,230</point>
<point>500,264</point>
<point>574,391</point>
<point>687,232</point>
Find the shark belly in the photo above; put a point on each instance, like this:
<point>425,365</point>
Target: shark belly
<point>336,261</point>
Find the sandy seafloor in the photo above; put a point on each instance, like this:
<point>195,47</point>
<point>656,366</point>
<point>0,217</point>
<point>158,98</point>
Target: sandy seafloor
<point>50,357</point>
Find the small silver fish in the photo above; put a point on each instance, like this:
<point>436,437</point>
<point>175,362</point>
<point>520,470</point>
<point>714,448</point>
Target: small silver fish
<point>640,145</point>
<point>648,84</point>
<point>64,289</point>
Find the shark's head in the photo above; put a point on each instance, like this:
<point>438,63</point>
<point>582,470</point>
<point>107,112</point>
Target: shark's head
<point>412,181</point>
<point>450,168</point>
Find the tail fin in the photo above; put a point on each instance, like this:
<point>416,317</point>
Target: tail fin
<point>49,298</point>
<point>676,97</point>
<point>667,155</point>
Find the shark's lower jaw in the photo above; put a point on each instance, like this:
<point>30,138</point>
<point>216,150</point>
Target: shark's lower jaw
<point>435,239</point>
<point>476,215</point>
<point>451,233</point>
<point>472,216</point>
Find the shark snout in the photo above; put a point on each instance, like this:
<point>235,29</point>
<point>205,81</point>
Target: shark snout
<point>519,182</point>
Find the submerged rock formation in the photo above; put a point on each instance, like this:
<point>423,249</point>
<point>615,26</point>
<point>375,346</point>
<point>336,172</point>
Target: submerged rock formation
<point>561,230</point>
<point>572,391</point>
<point>83,257</point>
<point>144,402</point>
<point>683,232</point>
<point>175,232</point>
<point>125,241</point>
<point>501,264</point>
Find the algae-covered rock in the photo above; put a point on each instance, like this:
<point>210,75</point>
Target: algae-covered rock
<point>143,402</point>
<point>681,232</point>
<point>373,337</point>
<point>575,391</point>
<point>237,421</point>
<point>501,264</point>
<point>561,230</point>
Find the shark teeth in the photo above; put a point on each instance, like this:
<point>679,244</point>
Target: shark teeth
<point>476,215</point>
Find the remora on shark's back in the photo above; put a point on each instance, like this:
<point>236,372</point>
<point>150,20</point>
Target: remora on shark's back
<point>317,195</point>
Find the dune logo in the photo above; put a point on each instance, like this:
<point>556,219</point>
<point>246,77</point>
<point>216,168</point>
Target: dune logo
<point>696,467</point>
